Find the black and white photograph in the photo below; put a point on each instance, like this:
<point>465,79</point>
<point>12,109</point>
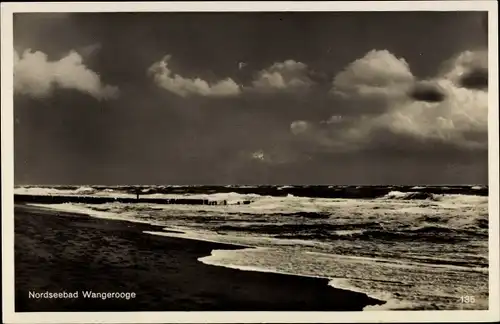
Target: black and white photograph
<point>338,161</point>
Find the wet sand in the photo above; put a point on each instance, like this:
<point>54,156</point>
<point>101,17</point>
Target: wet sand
<point>58,252</point>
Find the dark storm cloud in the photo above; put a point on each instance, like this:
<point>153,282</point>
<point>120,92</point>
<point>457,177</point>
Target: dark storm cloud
<point>428,92</point>
<point>151,135</point>
<point>475,79</point>
<point>468,69</point>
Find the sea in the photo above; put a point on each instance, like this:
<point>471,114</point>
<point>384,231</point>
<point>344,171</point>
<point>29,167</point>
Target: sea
<point>414,247</point>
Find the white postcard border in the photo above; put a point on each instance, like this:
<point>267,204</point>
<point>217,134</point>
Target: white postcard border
<point>10,316</point>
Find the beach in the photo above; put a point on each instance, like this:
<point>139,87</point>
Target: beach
<point>68,252</point>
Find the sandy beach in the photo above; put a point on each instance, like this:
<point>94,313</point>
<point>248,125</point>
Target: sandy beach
<point>62,252</point>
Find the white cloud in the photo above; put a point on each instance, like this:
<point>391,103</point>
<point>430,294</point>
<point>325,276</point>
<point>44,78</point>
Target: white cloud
<point>184,87</point>
<point>299,127</point>
<point>288,76</point>
<point>459,118</point>
<point>378,73</point>
<point>36,76</point>
<point>275,155</point>
<point>259,155</point>
<point>464,62</point>
<point>283,76</point>
<point>334,119</point>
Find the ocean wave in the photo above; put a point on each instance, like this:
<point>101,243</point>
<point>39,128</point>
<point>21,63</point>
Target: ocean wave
<point>84,190</point>
<point>409,195</point>
<point>428,234</point>
<point>338,191</point>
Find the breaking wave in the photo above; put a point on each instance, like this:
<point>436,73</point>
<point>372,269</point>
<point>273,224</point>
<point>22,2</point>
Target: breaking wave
<point>409,195</point>
<point>340,191</point>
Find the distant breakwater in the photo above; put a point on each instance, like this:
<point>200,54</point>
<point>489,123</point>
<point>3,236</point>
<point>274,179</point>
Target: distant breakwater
<point>355,192</point>
<point>56,199</point>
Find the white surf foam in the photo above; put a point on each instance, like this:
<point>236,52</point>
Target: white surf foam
<point>82,209</point>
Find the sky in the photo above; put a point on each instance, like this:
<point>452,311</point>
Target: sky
<point>370,98</point>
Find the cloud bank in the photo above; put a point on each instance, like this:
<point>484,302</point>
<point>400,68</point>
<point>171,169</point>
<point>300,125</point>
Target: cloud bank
<point>36,76</point>
<point>184,87</point>
<point>289,75</point>
<point>468,70</point>
<point>451,108</point>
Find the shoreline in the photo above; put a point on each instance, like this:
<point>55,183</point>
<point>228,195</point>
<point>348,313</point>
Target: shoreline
<point>60,251</point>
